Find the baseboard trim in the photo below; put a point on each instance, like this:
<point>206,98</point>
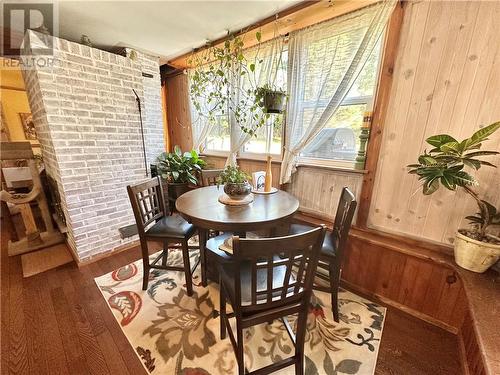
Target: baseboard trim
<point>94,258</point>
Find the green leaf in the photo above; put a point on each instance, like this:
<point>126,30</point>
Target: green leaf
<point>177,150</point>
<point>483,133</point>
<point>440,139</point>
<point>472,163</point>
<point>258,36</point>
<point>431,188</point>
<point>175,175</point>
<point>481,153</point>
<point>450,147</point>
<point>448,182</point>
<point>252,67</point>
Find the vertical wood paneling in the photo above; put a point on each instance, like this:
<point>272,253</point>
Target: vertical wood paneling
<point>318,189</point>
<point>446,79</point>
<point>178,112</point>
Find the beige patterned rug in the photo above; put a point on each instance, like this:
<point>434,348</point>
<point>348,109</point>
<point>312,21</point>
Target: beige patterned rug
<point>173,333</point>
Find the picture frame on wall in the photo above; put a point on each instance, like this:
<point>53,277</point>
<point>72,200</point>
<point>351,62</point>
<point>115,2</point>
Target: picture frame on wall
<point>28,126</point>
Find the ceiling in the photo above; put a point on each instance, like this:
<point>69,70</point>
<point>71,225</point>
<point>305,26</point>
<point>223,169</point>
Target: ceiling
<point>163,28</point>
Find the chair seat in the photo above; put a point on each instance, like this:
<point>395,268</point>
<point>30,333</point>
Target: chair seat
<point>328,248</point>
<point>171,227</point>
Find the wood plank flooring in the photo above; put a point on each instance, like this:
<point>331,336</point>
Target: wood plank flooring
<point>57,322</point>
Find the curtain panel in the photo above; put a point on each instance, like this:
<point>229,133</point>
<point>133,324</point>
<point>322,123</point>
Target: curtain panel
<point>324,61</point>
<point>267,58</point>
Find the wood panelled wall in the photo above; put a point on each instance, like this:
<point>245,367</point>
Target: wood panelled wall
<point>318,189</point>
<point>446,80</point>
<point>178,112</point>
<point>421,286</point>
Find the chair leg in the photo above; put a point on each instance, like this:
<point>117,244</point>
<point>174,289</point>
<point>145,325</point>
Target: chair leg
<point>187,268</point>
<point>240,347</point>
<point>145,264</point>
<point>202,236</point>
<point>334,290</point>
<point>300,337</point>
<point>165,254</point>
<point>222,310</point>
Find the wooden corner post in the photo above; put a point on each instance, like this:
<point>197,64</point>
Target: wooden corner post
<point>380,111</point>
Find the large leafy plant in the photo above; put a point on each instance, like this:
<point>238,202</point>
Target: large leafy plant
<point>179,167</point>
<point>447,165</point>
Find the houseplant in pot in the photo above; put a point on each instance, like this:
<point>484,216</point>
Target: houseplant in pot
<point>271,100</point>
<point>446,164</point>
<point>179,170</point>
<point>235,182</point>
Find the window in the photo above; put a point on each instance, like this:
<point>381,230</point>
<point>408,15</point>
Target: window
<point>268,137</point>
<point>339,139</point>
<point>219,138</point>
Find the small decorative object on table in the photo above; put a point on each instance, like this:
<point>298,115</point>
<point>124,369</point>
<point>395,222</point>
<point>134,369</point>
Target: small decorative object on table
<point>478,248</point>
<point>236,187</point>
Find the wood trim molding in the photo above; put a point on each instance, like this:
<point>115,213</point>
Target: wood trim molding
<point>297,17</point>
<point>391,44</point>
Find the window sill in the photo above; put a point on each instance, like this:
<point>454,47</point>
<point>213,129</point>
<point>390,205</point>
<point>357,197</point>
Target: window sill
<point>332,168</point>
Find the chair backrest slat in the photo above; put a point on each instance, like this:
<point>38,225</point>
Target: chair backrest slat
<point>276,260</point>
<point>209,176</point>
<point>147,202</point>
<point>343,219</point>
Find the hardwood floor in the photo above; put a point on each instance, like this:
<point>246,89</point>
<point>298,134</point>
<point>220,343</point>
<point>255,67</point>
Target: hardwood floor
<point>57,322</point>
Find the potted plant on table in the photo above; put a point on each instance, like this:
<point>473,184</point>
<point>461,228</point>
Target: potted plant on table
<point>235,182</point>
<point>179,170</point>
<point>477,248</point>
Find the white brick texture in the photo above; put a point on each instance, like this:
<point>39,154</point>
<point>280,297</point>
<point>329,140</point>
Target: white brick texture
<point>87,121</point>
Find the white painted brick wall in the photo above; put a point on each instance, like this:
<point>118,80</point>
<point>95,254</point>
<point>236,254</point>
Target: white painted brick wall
<point>87,120</point>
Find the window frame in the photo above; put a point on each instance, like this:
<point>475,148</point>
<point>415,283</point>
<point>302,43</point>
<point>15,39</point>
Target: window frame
<point>368,100</point>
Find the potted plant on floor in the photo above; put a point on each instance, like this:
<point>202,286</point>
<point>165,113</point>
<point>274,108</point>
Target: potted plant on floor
<point>476,249</point>
<point>235,182</point>
<point>179,170</point>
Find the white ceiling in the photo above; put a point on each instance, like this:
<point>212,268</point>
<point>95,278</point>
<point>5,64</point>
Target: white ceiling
<point>164,28</point>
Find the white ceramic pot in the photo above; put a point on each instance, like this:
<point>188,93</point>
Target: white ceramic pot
<point>475,255</point>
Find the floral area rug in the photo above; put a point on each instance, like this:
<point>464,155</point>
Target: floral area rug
<point>173,333</point>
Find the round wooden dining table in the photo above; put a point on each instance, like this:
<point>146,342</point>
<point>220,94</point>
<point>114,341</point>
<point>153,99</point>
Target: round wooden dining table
<point>202,208</point>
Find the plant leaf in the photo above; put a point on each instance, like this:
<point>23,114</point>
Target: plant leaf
<point>440,139</point>
<point>431,188</point>
<point>483,133</point>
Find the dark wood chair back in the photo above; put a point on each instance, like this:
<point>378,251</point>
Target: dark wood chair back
<point>287,264</point>
<point>208,177</point>
<point>343,221</point>
<point>147,203</point>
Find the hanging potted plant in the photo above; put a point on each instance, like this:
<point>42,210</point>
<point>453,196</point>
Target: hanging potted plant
<point>179,170</point>
<point>235,182</point>
<point>478,247</point>
<point>271,100</point>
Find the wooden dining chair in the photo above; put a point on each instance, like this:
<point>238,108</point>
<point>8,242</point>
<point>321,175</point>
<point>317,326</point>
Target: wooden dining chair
<point>154,223</point>
<point>267,279</point>
<point>333,248</point>
<point>208,177</point>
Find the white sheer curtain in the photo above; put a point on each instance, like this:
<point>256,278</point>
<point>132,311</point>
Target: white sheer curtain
<point>201,125</point>
<point>267,59</point>
<point>324,60</point>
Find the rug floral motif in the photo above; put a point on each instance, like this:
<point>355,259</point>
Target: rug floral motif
<point>173,333</point>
